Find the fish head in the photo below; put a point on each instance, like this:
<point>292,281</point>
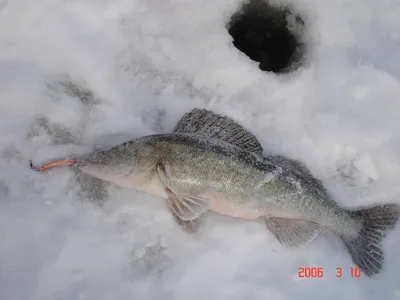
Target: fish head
<point>123,165</point>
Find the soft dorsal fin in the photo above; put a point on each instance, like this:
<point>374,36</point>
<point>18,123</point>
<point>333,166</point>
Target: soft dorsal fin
<point>218,126</point>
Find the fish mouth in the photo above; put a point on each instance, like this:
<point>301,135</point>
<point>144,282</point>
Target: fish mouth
<point>85,165</point>
<point>106,171</point>
<point>81,163</point>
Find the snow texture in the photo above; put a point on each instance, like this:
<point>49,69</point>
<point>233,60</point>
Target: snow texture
<point>79,74</point>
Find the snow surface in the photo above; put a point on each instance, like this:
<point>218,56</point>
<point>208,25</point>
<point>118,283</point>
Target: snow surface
<point>75,74</point>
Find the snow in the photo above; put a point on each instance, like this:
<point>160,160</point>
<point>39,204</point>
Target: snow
<point>77,74</point>
<point>364,164</point>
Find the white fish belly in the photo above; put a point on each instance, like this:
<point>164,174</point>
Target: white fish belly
<point>225,206</point>
<point>218,203</point>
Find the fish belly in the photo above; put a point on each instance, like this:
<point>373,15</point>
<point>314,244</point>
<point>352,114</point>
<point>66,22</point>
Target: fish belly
<point>225,206</point>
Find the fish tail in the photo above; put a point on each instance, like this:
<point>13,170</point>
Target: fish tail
<point>57,163</point>
<point>366,249</point>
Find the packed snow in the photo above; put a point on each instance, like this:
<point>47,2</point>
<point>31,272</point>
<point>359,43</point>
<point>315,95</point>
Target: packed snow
<point>75,75</point>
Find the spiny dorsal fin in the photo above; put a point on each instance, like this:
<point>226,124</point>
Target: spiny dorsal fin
<point>218,126</point>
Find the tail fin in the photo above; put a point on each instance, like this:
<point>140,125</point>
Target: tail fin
<point>366,250</point>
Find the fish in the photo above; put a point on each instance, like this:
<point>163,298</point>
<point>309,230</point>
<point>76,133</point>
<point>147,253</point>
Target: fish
<point>209,162</point>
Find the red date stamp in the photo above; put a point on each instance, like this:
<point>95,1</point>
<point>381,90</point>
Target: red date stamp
<point>319,272</point>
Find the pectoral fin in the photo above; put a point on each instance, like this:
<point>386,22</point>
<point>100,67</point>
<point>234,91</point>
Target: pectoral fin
<point>192,226</point>
<point>188,210</point>
<point>293,233</point>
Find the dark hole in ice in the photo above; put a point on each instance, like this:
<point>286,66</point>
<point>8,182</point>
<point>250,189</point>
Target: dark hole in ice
<point>271,35</point>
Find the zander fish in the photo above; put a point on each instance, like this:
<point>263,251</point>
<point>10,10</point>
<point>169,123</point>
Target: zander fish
<point>209,162</point>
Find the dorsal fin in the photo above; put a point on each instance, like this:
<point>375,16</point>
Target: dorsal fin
<point>217,126</point>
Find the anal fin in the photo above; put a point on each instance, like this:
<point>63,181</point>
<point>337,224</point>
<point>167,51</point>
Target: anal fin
<point>293,232</point>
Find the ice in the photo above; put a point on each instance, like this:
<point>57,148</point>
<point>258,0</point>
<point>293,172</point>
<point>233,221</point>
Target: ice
<point>78,74</point>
